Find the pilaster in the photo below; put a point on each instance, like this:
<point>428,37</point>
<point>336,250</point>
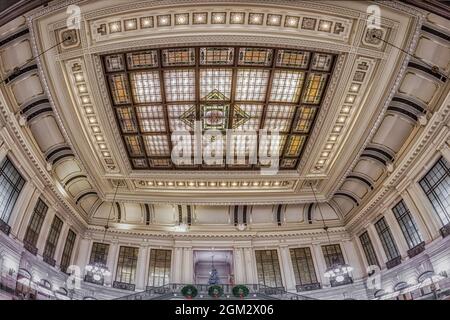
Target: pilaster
<point>287,268</point>
<point>142,267</point>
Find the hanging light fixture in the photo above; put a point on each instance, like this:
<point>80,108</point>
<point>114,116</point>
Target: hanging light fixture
<point>337,272</point>
<point>100,270</point>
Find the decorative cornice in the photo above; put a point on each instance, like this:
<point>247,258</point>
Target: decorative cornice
<point>248,235</point>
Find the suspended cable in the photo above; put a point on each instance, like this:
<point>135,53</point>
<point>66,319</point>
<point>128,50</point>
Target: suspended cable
<point>433,68</point>
<point>325,227</point>
<point>17,69</point>
<point>110,211</point>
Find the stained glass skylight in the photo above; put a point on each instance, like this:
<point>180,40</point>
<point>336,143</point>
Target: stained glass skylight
<point>162,96</point>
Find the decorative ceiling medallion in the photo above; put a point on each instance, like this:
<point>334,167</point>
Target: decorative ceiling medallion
<point>375,37</point>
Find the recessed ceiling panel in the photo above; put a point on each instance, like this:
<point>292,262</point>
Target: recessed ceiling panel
<point>161,97</point>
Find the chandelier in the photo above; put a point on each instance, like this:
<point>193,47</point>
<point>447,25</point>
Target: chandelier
<point>338,272</point>
<point>98,270</point>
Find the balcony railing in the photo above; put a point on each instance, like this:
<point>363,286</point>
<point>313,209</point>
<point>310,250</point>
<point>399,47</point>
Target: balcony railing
<point>445,230</point>
<point>30,247</point>
<point>308,287</point>
<point>416,250</point>
<point>124,286</point>
<point>347,280</point>
<point>394,262</point>
<point>49,260</point>
<point>174,290</point>
<point>90,278</point>
<point>4,227</point>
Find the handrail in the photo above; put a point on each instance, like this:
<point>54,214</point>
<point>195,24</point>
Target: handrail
<point>172,288</point>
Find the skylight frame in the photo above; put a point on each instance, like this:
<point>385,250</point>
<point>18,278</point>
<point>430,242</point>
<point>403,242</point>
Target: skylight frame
<point>160,69</point>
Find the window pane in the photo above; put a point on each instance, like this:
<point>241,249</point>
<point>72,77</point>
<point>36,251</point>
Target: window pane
<point>151,118</point>
<point>303,266</point>
<point>304,119</point>
<point>295,145</point>
<point>436,185</point>
<point>387,240</point>
<point>99,253</point>
<point>35,224</point>
<point>369,251</point>
<point>157,145</point>
<point>67,251</point>
<point>146,87</point>
<point>247,117</point>
<point>333,255</point>
<point>181,117</point>
<point>268,268</point>
<point>293,58</point>
<point>52,239</point>
<point>215,84</point>
<point>251,84</point>
<point>179,85</point>
<point>159,269</point>
<point>126,119</point>
<point>407,224</point>
<point>133,145</point>
<point>178,57</point>
<point>322,62</point>
<point>215,116</point>
<point>144,59</point>
<point>315,85</point>
<point>126,265</point>
<point>255,56</point>
<point>286,86</point>
<point>11,183</point>
<point>216,56</point>
<point>114,63</point>
<point>279,117</point>
<point>119,90</point>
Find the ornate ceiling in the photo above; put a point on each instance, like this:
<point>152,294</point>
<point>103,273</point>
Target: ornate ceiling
<point>252,103</point>
<point>133,74</point>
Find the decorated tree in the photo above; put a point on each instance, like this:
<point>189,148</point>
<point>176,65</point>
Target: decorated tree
<point>214,276</point>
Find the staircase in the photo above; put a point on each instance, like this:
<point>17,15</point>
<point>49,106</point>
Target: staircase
<point>173,292</point>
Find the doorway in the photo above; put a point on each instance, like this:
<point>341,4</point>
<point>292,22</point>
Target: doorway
<point>213,267</point>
